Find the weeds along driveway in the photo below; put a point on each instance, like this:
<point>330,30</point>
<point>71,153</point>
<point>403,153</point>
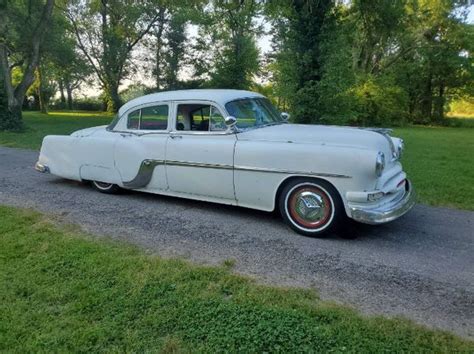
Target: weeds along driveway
<point>420,266</point>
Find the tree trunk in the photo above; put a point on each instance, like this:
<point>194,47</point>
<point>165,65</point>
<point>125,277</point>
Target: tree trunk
<point>61,92</point>
<point>113,98</point>
<point>10,108</point>
<point>12,118</point>
<point>42,100</point>
<point>69,96</point>
<point>427,100</point>
<point>439,104</point>
<point>158,56</point>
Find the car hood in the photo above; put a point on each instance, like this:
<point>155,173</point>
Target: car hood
<point>321,135</point>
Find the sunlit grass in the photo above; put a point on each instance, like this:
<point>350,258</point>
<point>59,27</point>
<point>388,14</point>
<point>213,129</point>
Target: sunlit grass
<point>61,291</point>
<point>39,125</point>
<point>440,162</point>
<point>84,114</point>
<point>460,115</point>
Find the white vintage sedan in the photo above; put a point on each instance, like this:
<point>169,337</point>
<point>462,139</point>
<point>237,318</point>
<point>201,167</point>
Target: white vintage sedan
<point>234,147</point>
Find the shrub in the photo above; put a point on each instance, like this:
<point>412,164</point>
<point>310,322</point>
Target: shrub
<point>379,103</point>
<point>88,104</point>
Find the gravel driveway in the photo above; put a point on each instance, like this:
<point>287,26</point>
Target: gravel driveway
<point>420,266</point>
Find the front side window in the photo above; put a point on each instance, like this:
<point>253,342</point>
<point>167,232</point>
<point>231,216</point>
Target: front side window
<point>217,120</point>
<point>254,112</point>
<point>199,117</point>
<point>149,118</point>
<point>134,120</point>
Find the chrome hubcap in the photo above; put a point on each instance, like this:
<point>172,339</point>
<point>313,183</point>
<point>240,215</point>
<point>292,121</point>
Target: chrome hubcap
<point>310,206</point>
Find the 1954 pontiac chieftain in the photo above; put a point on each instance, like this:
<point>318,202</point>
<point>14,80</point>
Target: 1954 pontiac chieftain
<point>234,147</point>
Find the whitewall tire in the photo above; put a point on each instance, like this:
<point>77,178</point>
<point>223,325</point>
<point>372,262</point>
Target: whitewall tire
<point>311,207</point>
<point>107,188</point>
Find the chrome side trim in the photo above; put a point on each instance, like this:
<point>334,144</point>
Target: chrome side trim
<point>198,164</point>
<point>145,171</point>
<point>290,172</point>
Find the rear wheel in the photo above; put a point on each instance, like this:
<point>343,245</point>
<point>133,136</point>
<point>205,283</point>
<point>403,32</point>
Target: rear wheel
<point>311,207</point>
<point>103,187</point>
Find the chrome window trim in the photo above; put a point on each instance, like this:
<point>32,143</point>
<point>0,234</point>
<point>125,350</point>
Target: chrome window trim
<point>123,120</point>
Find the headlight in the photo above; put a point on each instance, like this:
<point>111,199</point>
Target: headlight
<point>379,163</point>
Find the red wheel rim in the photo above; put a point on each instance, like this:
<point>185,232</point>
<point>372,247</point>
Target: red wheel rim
<point>309,206</point>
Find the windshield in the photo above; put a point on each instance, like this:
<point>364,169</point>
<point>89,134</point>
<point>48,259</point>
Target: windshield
<point>114,122</point>
<point>254,112</point>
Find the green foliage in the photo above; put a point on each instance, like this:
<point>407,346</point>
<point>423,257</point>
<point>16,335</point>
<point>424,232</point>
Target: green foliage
<point>174,56</point>
<point>63,292</point>
<point>371,62</point>
<point>300,66</point>
<point>462,107</point>
<point>133,91</point>
<point>90,104</point>
<point>378,103</point>
<point>22,29</point>
<point>107,31</point>
<point>227,45</point>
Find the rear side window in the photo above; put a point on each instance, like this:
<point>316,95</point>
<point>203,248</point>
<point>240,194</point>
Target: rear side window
<point>149,118</point>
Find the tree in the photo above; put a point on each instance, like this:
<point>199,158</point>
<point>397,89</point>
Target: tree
<point>227,47</point>
<point>167,42</point>
<point>22,31</point>
<point>176,38</point>
<point>299,27</point>
<point>107,31</point>
<point>371,62</point>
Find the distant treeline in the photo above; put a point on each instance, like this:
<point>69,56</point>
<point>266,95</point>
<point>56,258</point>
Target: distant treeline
<point>364,62</point>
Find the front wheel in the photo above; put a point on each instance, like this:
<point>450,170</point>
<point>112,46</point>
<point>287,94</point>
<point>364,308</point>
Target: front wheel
<point>107,188</point>
<point>311,207</point>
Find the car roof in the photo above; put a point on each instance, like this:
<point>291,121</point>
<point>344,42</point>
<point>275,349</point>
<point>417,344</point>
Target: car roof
<point>219,96</point>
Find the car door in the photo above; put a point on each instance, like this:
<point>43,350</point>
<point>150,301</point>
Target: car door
<point>200,152</point>
<point>140,150</point>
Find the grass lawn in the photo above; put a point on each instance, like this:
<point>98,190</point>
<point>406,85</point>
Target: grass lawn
<point>439,160</point>
<point>38,125</point>
<point>62,291</point>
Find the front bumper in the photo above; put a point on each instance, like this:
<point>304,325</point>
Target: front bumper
<point>41,168</point>
<point>386,212</point>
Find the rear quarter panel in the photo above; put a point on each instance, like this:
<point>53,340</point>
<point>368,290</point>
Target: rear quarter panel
<point>80,158</point>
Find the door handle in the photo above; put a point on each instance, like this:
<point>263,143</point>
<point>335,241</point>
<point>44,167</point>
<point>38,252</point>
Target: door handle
<point>172,136</point>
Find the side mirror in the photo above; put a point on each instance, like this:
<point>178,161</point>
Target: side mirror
<point>285,116</point>
<point>230,121</point>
